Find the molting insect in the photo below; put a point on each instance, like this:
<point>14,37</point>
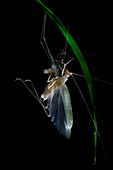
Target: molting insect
<point>56,93</point>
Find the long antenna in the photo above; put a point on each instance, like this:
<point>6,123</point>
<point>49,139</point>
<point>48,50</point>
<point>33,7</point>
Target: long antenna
<point>102,81</point>
<point>89,114</point>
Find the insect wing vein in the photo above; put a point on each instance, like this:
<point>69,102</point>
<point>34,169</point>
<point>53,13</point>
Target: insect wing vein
<point>59,111</point>
<point>67,105</point>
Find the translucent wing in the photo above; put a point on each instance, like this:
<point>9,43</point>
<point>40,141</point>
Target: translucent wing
<point>61,110</point>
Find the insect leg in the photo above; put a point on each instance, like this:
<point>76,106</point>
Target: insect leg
<point>36,96</point>
<point>44,43</point>
<point>65,64</point>
<point>63,52</point>
<point>66,44</point>
<point>49,78</point>
<point>52,93</point>
<point>27,80</point>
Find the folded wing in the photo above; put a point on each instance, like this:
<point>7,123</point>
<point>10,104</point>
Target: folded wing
<point>61,110</point>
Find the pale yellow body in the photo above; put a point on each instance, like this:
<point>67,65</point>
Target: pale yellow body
<point>55,82</point>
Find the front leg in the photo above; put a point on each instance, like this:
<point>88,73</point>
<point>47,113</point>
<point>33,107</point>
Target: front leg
<point>44,43</point>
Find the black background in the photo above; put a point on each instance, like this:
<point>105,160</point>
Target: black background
<point>30,138</point>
